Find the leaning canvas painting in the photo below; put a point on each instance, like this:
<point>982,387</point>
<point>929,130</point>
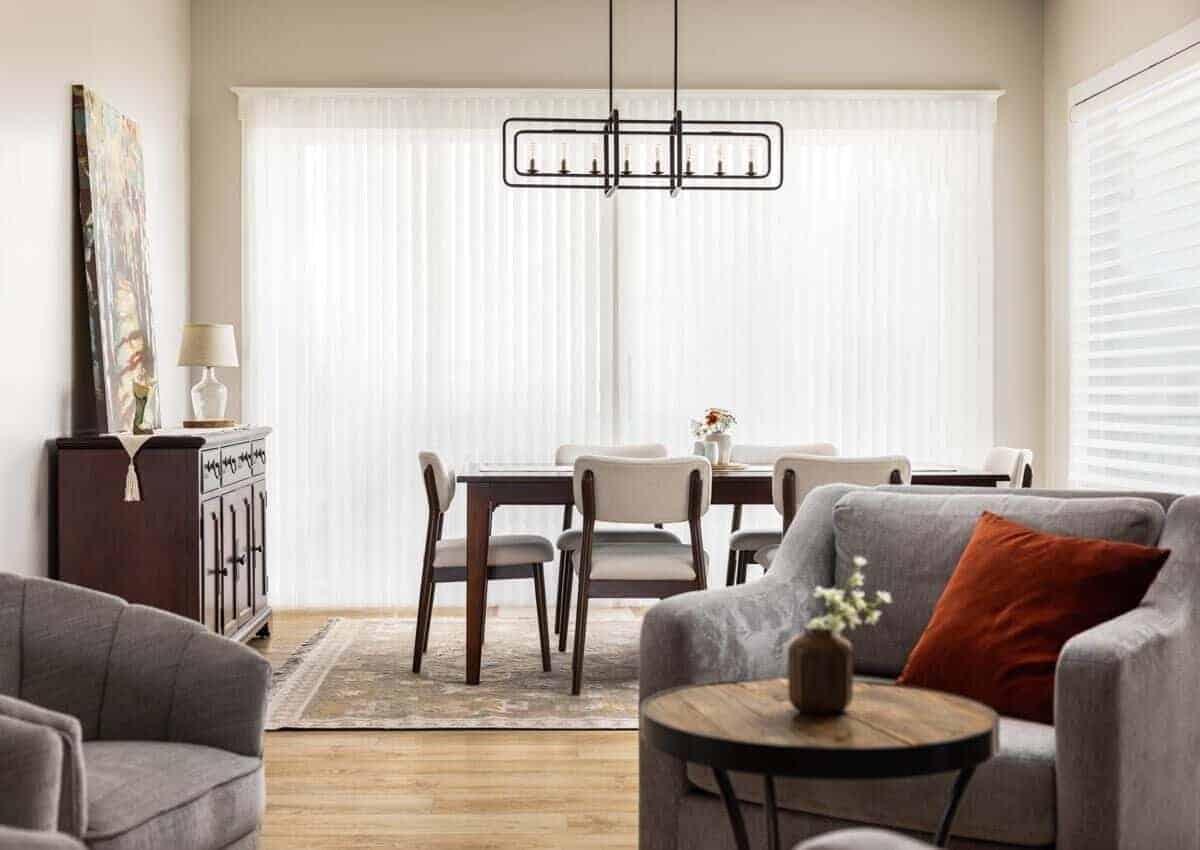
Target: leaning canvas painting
<point>112,209</point>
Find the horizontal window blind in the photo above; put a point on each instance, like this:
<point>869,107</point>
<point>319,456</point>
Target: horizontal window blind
<point>1135,284</point>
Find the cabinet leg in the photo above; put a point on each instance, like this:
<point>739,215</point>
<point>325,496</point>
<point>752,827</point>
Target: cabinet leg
<point>265,630</point>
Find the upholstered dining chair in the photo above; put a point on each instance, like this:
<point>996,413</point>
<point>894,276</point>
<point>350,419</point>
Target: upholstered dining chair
<point>569,541</point>
<point>1017,464</point>
<point>743,543</point>
<point>510,556</point>
<point>646,491</point>
<point>795,475</point>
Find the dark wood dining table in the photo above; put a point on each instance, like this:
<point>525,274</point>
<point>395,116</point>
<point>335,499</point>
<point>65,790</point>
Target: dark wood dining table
<point>490,485</point>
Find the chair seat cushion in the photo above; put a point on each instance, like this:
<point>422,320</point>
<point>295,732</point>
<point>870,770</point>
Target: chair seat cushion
<point>150,795</point>
<point>753,539</point>
<point>765,555</point>
<point>1010,800</point>
<point>571,539</point>
<point>503,550</point>
<point>647,561</point>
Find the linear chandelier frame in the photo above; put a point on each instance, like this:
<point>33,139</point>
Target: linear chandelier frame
<point>607,172</point>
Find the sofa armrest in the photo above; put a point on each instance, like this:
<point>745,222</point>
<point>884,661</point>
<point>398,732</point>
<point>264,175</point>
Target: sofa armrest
<point>25,839</point>
<point>31,758</point>
<point>72,807</point>
<point>729,634</point>
<point>1125,702</point>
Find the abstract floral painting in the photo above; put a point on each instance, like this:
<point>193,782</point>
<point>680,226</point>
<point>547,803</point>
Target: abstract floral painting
<point>112,209</point>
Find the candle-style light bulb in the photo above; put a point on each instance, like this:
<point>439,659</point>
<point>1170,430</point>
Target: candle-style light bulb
<point>750,160</point>
<point>688,167</point>
<point>720,160</point>
<point>658,159</point>
<point>627,169</point>
<point>562,165</point>
<point>533,159</point>
<point>595,159</point>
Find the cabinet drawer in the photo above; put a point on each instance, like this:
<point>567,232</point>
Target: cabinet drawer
<point>210,470</point>
<point>258,457</point>
<point>235,463</point>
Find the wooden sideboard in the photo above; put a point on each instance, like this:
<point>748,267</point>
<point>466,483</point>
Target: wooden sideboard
<point>196,544</point>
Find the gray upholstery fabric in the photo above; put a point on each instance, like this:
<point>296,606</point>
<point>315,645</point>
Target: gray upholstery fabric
<point>571,539</point>
<point>248,841</point>
<point>862,839</point>
<point>130,676</point>
<point>1125,735</point>
<point>1010,799</point>
<point>765,555</point>
<point>1165,500</point>
<point>913,543</point>
<point>753,539</point>
<point>72,814</point>
<point>145,795</point>
<point>31,758</point>
<point>23,839</point>
<point>503,550</point>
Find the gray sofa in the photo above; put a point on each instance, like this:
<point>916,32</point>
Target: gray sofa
<point>1118,770</point>
<point>124,726</point>
<point>862,839</point>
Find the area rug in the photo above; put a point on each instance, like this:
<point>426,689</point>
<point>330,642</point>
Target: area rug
<point>357,674</point>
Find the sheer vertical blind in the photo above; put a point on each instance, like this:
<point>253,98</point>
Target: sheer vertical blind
<point>1135,283</point>
<point>397,297</point>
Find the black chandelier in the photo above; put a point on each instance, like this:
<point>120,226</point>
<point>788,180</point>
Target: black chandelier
<point>615,153</point>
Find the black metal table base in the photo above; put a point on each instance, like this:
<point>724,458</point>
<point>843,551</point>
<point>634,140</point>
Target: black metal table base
<point>770,810</point>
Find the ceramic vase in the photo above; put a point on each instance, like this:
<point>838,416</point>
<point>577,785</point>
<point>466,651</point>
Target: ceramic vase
<point>724,444</point>
<point>820,672</point>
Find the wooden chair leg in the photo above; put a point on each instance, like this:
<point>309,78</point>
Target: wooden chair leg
<point>539,588</point>
<point>566,610</point>
<point>424,603</point>
<point>559,596</point>
<point>731,570</point>
<point>581,612</point>
<point>743,562</point>
<point>428,617</point>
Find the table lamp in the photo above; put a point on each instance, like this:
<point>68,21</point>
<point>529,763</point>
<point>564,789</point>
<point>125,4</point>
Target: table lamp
<point>208,345</point>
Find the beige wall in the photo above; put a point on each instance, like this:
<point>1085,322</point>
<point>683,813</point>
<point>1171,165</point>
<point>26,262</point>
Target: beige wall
<point>1083,37</point>
<point>754,43</point>
<point>134,53</point>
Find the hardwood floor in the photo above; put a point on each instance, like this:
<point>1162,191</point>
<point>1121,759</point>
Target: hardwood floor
<point>478,789</point>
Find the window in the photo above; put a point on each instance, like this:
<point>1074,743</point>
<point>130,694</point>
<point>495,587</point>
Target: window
<point>398,296</point>
<point>1135,283</point>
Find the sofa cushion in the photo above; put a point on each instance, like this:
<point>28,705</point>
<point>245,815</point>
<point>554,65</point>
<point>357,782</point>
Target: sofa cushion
<point>913,543</point>
<point>1010,800</point>
<point>1016,597</point>
<point>150,795</point>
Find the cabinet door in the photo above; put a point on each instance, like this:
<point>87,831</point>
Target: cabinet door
<point>258,549</point>
<point>235,519</point>
<point>211,564</point>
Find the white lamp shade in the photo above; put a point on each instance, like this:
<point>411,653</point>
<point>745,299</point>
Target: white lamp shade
<point>207,344</point>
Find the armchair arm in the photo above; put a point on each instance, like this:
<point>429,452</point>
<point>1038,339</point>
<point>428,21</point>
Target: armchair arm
<point>24,839</point>
<point>72,803</point>
<point>31,758</point>
<point>729,634</point>
<point>1125,703</point>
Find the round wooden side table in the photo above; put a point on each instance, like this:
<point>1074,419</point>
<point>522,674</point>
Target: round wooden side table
<point>887,731</point>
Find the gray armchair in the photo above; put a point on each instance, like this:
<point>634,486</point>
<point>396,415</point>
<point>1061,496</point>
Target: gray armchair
<point>1116,771</point>
<point>124,726</point>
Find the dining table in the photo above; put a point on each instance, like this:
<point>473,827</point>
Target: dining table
<point>491,485</point>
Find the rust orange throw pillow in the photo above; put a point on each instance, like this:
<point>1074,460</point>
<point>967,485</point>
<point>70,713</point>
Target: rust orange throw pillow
<point>1016,596</point>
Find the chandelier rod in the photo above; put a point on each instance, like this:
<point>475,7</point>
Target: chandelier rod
<point>610,57</point>
<point>675,82</point>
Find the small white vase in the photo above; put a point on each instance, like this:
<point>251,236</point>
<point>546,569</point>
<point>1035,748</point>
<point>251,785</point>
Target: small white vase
<point>724,443</point>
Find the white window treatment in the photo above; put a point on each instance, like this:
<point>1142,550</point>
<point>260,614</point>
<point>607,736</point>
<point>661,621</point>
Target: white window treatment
<point>397,297</point>
<point>1135,283</point>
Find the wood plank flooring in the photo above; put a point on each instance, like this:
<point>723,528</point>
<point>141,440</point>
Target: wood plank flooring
<point>492,790</point>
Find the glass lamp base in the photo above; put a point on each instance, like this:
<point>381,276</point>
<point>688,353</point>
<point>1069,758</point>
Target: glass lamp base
<point>209,396</point>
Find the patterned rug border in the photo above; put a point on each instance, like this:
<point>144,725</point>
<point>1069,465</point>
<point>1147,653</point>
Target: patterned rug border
<point>298,680</point>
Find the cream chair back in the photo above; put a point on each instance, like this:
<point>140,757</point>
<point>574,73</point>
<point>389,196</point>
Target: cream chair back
<point>443,478</point>
<point>643,490</point>
<point>808,472</point>
<point>763,455</point>
<point>1012,462</point>
<point>568,453</point>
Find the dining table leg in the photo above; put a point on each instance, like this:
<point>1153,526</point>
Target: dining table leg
<point>479,530</point>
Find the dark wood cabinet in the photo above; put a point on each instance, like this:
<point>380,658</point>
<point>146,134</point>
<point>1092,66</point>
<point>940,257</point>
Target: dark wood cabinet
<point>194,545</point>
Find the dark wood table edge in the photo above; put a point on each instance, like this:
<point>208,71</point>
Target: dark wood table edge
<point>963,755</point>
